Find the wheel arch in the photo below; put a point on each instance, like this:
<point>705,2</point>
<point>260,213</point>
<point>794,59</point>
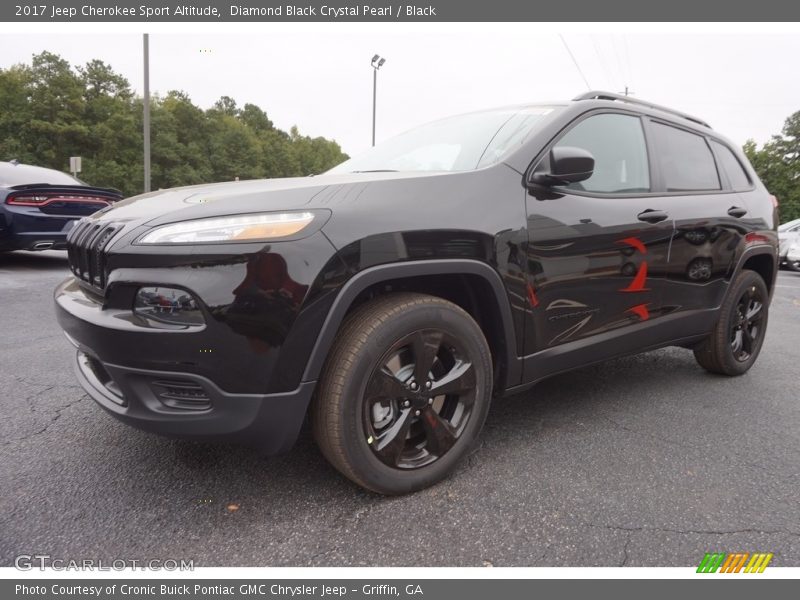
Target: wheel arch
<point>763,260</point>
<point>473,285</point>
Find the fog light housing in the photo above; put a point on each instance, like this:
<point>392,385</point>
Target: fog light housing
<point>167,307</point>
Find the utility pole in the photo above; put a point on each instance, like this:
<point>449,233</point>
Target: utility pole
<point>146,115</point>
<point>377,63</point>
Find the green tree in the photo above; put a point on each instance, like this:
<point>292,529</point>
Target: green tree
<point>179,142</point>
<point>56,128</point>
<point>778,165</point>
<point>233,147</point>
<point>313,155</point>
<point>226,106</point>
<point>113,145</point>
<point>15,84</point>
<point>51,111</point>
<point>256,119</point>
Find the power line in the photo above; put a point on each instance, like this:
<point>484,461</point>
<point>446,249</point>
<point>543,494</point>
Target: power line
<point>627,57</point>
<point>575,62</point>
<point>617,55</point>
<point>612,81</point>
<point>146,110</point>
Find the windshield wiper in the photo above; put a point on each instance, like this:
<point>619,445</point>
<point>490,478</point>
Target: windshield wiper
<point>377,171</point>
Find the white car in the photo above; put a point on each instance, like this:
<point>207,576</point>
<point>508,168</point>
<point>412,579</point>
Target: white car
<point>789,251</point>
<point>793,256</point>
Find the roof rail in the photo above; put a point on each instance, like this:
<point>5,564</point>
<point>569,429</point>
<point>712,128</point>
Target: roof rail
<point>600,95</point>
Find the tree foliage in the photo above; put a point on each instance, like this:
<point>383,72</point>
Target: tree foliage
<point>778,165</point>
<point>51,111</point>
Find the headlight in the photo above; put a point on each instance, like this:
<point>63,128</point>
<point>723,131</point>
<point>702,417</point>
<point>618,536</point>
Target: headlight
<point>241,228</point>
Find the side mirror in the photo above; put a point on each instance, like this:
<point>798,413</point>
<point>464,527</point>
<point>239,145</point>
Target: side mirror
<point>567,165</point>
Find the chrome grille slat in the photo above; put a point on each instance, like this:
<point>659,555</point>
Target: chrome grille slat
<point>83,257</point>
<point>86,245</point>
<point>99,278</point>
<point>72,245</point>
<point>91,242</point>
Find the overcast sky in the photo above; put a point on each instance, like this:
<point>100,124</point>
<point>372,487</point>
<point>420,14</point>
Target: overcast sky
<point>322,81</point>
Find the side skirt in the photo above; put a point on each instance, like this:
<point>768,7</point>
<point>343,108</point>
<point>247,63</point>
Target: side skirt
<point>682,329</point>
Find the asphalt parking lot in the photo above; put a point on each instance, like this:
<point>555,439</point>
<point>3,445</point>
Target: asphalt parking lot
<point>641,461</point>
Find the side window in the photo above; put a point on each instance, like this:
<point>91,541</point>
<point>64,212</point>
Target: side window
<point>619,150</point>
<point>732,167</point>
<point>685,160</point>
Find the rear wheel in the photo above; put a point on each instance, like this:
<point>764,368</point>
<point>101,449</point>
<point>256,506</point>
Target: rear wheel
<point>736,340</point>
<point>794,265</point>
<point>404,393</point>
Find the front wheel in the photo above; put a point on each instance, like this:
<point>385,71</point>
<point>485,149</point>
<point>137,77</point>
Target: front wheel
<point>404,393</point>
<point>736,340</point>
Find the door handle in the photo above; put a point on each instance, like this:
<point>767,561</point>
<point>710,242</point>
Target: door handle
<point>652,216</point>
<point>737,211</point>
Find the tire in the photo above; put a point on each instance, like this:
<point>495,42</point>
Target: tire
<point>736,339</point>
<point>794,265</point>
<point>381,416</point>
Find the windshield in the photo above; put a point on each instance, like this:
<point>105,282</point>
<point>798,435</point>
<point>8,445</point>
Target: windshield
<point>789,226</point>
<point>15,174</point>
<point>459,143</point>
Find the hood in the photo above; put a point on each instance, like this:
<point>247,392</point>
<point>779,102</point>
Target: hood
<point>239,197</point>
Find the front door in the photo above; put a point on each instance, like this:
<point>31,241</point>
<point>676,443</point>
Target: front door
<point>597,250</point>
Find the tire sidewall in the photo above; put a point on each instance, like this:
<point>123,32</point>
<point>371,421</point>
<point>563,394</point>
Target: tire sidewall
<point>745,280</point>
<point>376,474</point>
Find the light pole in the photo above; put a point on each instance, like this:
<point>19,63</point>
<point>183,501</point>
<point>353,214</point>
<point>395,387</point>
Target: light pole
<point>146,113</point>
<point>377,63</point>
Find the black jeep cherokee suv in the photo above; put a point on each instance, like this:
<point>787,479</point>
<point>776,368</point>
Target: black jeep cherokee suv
<point>392,297</point>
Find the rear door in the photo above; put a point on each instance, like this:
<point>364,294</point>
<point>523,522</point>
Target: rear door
<point>709,214</point>
<point>597,250</point>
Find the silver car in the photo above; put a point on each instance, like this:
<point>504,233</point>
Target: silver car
<point>789,251</point>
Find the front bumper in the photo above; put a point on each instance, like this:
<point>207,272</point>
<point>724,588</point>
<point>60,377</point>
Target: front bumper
<point>269,422</point>
<point>174,403</point>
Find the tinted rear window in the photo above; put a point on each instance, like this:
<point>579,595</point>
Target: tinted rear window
<point>11,175</point>
<point>732,167</point>
<point>685,160</point>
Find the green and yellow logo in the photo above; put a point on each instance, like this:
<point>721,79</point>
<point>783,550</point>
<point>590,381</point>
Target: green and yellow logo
<point>734,563</point>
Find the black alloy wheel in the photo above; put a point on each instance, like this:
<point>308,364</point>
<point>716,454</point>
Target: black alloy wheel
<point>746,328</point>
<point>736,339</point>
<point>419,399</point>
<point>404,393</point>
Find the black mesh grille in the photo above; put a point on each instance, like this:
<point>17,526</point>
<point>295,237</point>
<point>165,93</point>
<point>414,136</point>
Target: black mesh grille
<point>86,245</point>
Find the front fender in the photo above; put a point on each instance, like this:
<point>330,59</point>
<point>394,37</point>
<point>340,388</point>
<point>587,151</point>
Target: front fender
<point>392,271</point>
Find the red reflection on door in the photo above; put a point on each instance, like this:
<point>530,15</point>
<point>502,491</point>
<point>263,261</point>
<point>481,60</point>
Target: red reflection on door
<point>640,310</point>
